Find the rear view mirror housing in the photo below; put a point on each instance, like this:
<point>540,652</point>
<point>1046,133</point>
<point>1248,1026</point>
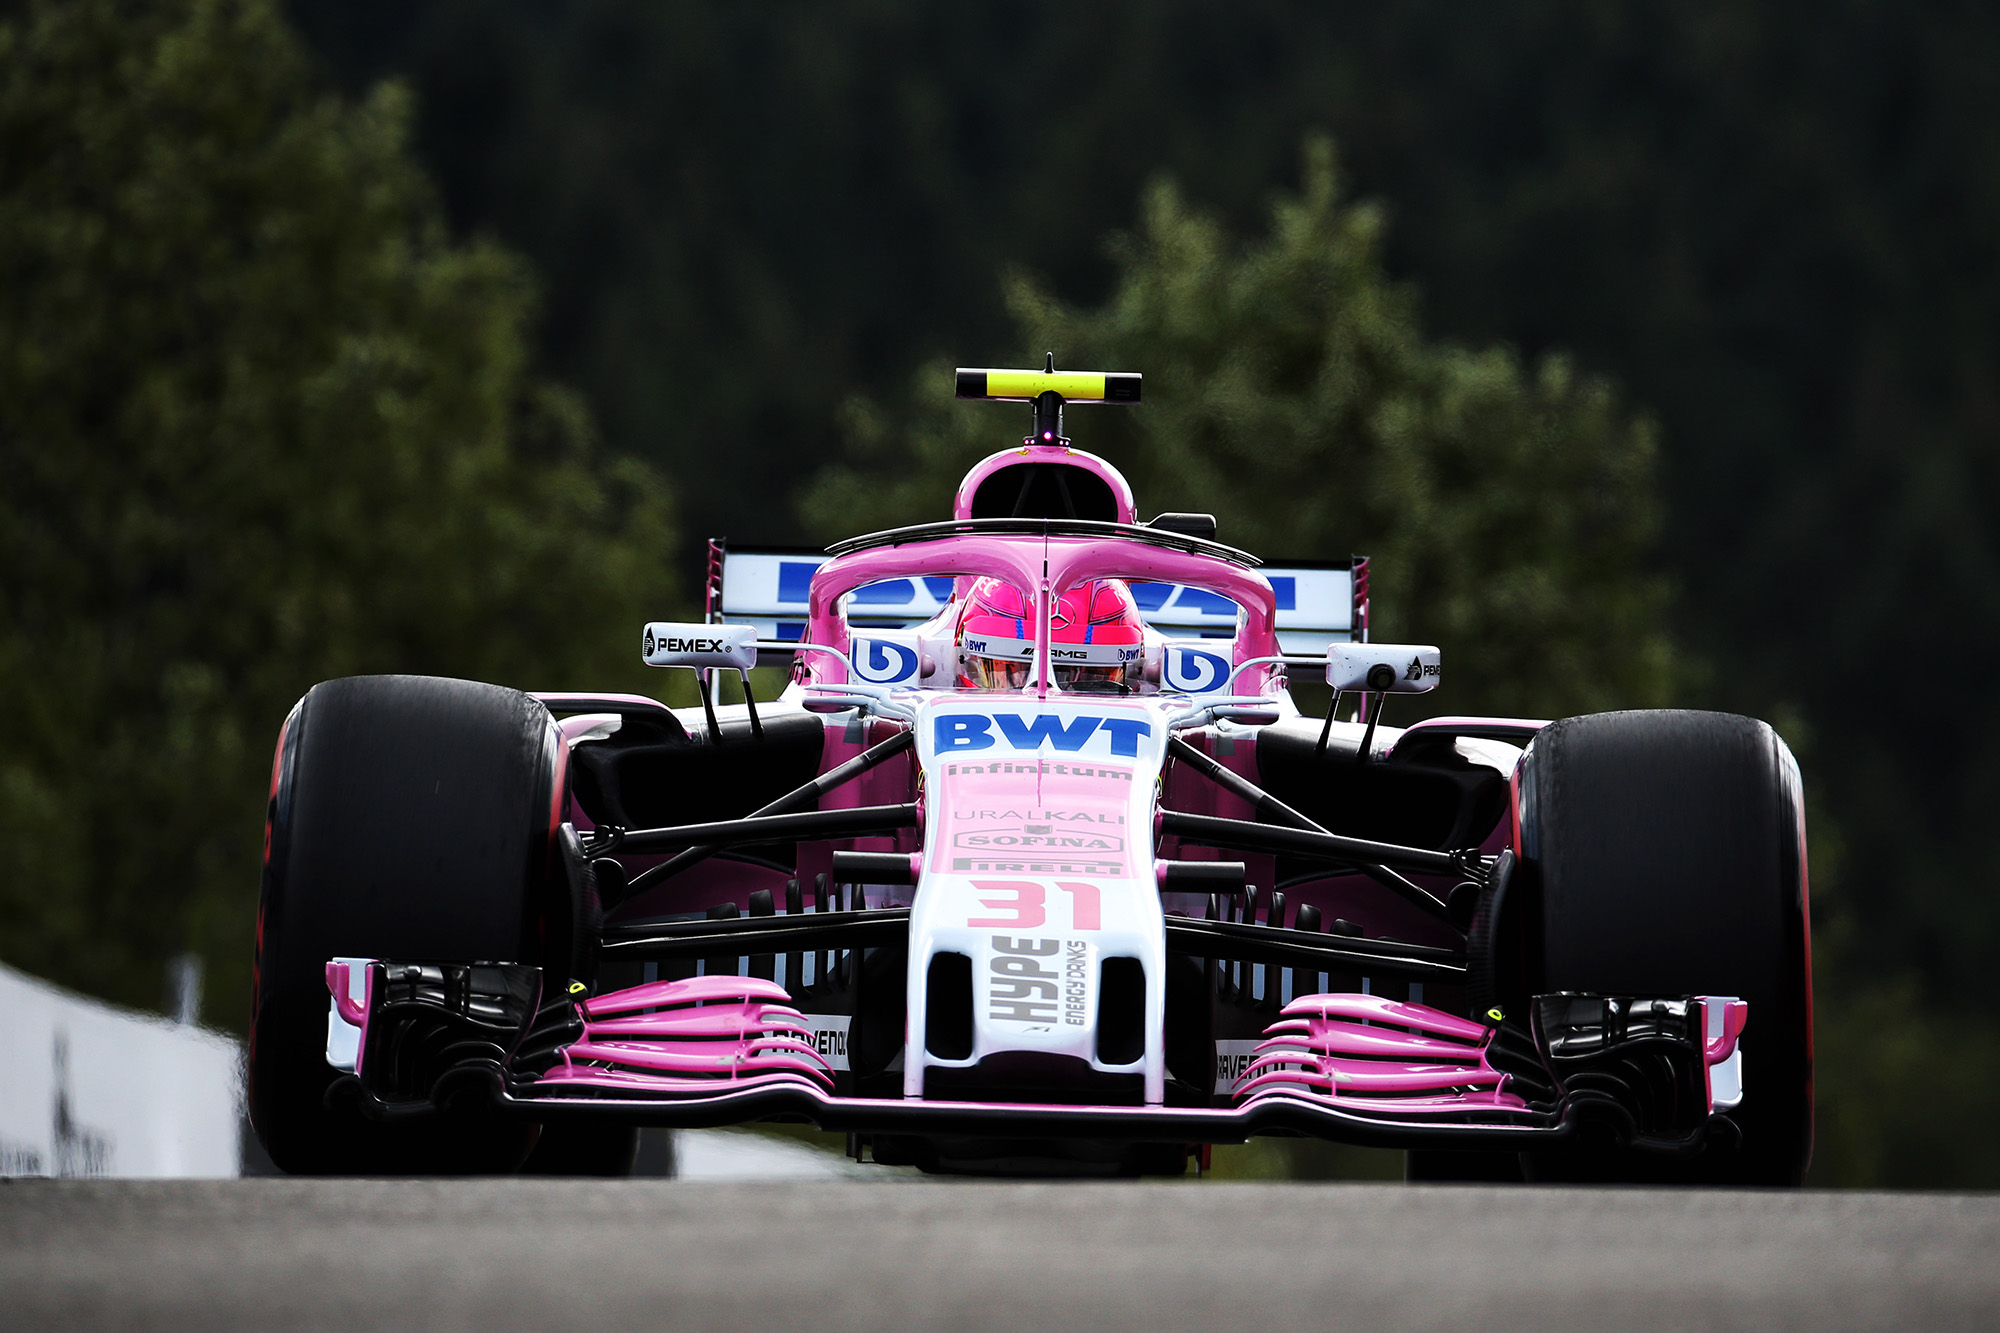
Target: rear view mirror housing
<point>731,647</point>
<point>1383,668</point>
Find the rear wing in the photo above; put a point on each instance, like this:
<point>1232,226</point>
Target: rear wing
<point>1319,603</point>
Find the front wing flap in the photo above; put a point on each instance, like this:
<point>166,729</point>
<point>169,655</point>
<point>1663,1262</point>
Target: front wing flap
<point>1650,1072</point>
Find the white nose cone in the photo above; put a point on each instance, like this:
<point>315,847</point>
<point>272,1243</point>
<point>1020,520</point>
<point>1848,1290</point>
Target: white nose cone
<point>1038,875</point>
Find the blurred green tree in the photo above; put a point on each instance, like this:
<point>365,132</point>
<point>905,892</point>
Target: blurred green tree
<point>1290,390</point>
<point>261,423</point>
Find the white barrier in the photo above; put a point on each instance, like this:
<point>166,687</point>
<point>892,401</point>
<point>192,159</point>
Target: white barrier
<point>87,1089</point>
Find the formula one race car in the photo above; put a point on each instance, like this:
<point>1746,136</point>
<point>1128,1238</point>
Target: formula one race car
<point>1033,867</point>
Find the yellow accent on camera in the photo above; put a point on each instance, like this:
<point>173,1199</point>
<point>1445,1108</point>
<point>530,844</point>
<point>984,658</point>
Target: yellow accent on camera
<point>1024,386</point>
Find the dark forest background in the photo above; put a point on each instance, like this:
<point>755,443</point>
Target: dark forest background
<point>1752,249</point>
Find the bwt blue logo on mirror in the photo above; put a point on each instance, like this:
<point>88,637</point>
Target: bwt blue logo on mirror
<point>1191,671</point>
<point>884,662</point>
<point>976,731</point>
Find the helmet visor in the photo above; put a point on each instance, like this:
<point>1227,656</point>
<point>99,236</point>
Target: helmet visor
<point>994,673</point>
<point>1095,679</point>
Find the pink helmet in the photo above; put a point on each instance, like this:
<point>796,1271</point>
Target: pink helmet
<point>1096,639</point>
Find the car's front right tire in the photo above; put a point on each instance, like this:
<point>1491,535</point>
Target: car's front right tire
<point>410,818</point>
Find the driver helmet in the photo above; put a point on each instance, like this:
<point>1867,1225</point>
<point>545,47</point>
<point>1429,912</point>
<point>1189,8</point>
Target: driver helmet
<point>1095,637</point>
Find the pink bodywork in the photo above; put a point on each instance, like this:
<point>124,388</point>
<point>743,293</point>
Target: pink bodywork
<point>1061,454</point>
<point>690,1037</point>
<point>337,982</point>
<point>1372,1054</point>
<point>1717,1049</point>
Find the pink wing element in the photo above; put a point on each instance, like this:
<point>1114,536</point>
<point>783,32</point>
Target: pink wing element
<point>1372,1054</point>
<point>1735,1014</point>
<point>337,982</point>
<point>693,990</point>
<point>1373,1008</point>
<point>693,1037</point>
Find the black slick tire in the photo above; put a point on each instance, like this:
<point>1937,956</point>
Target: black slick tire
<point>1663,853</point>
<point>415,818</point>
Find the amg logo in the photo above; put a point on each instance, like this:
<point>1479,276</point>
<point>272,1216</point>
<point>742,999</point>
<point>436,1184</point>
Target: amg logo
<point>1057,652</point>
<point>1021,989</point>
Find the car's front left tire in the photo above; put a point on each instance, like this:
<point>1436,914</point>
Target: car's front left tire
<point>1662,852</point>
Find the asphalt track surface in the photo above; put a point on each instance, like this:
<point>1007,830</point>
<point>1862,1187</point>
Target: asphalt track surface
<point>430,1255</point>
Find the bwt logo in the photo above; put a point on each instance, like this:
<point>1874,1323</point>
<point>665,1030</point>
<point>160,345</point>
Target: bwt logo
<point>880,662</point>
<point>974,731</point>
<point>1195,672</point>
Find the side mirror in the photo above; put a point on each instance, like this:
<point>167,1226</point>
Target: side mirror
<point>1383,668</point>
<point>731,647</point>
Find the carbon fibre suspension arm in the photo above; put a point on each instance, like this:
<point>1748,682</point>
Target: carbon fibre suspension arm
<point>1370,858</point>
<point>794,800</point>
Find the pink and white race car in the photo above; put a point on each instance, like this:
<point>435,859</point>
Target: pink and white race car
<point>1033,866</point>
